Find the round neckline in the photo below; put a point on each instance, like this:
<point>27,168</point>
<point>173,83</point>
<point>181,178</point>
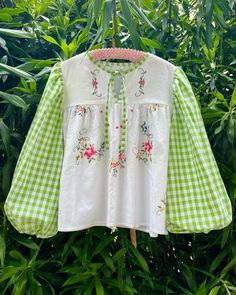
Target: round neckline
<point>108,65</point>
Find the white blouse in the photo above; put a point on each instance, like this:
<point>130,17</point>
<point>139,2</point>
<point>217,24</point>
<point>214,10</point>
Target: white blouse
<point>115,188</point>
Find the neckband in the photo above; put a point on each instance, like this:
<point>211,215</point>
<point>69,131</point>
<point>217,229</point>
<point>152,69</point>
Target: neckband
<point>107,65</point>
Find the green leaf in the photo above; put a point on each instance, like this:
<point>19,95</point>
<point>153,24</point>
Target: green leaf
<point>126,10</point>
<point>108,260</point>
<point>2,247</point>
<point>151,43</point>
<point>228,267</point>
<point>233,99</point>
<point>14,100</point>
<point>141,261</point>
<point>5,17</point>
<point>16,33</point>
<point>9,271</point>
<point>142,15</point>
<point>98,287</point>
<point>215,290</point>
<point>15,71</point>
<point>51,40</point>
<point>97,7</point>
<point>27,242</point>
<point>120,253</point>
<point>101,245</point>
<point>230,129</point>
<point>217,261</point>
<point>78,278</point>
<point>107,14</point>
<point>90,16</point>
<point>5,136</point>
<point>20,285</point>
<point>18,256</point>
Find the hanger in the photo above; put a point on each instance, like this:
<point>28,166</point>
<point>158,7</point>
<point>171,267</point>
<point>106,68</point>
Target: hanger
<point>132,55</point>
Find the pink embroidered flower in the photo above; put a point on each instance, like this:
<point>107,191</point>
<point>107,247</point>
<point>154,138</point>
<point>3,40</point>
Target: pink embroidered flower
<point>95,83</point>
<point>89,152</point>
<point>148,146</point>
<point>121,157</point>
<point>141,82</point>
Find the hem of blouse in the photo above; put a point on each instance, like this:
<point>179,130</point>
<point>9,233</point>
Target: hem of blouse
<point>175,230</point>
<point>112,226</point>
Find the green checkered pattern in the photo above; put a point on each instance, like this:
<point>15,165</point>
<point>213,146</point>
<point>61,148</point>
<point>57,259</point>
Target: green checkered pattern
<point>196,197</point>
<point>32,202</point>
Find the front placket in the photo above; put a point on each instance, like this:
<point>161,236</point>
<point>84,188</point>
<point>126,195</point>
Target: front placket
<point>111,87</point>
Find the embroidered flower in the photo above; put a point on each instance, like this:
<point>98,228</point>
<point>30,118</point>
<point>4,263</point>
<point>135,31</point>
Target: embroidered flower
<point>154,107</point>
<point>81,110</point>
<point>146,129</point>
<point>85,149</point>
<point>115,165</point>
<point>148,146</point>
<point>141,82</point>
<point>144,152</point>
<point>162,207</point>
<point>95,83</point>
<point>89,152</point>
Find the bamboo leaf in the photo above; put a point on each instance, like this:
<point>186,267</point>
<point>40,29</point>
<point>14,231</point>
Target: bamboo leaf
<point>51,40</point>
<point>217,261</point>
<point>5,136</point>
<point>2,247</point>
<point>16,33</point>
<point>142,15</point>
<point>14,100</point>
<point>228,267</point>
<point>15,71</point>
<point>78,278</point>
<point>99,287</point>
<point>141,261</point>
<point>215,290</point>
<point>97,7</point>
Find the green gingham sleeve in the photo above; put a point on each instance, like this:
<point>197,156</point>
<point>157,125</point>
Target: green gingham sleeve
<point>32,202</point>
<point>197,200</point>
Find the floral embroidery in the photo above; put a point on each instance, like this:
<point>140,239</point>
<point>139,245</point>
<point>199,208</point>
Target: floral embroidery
<point>82,110</point>
<point>86,149</point>
<point>162,207</point>
<point>141,82</point>
<point>144,152</point>
<point>95,83</point>
<point>154,107</point>
<point>115,165</point>
<point>146,129</point>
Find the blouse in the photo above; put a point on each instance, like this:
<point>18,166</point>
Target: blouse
<point>117,145</point>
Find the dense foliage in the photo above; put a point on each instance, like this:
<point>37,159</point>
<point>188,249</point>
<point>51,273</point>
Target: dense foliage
<point>197,35</point>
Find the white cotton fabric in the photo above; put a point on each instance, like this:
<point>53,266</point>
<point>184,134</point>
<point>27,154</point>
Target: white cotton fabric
<point>100,187</point>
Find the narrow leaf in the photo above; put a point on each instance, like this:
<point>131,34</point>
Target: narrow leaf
<point>15,71</point>
<point>14,100</point>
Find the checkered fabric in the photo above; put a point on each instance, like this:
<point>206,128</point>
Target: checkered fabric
<point>197,200</point>
<point>196,197</point>
<point>32,202</point>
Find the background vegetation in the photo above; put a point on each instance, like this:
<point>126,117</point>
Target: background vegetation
<point>197,35</point>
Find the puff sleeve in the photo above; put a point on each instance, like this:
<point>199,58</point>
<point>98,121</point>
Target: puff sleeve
<point>32,202</point>
<point>197,200</point>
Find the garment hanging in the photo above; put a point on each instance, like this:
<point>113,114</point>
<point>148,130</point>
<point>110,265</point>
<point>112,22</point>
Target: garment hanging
<point>117,145</point>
